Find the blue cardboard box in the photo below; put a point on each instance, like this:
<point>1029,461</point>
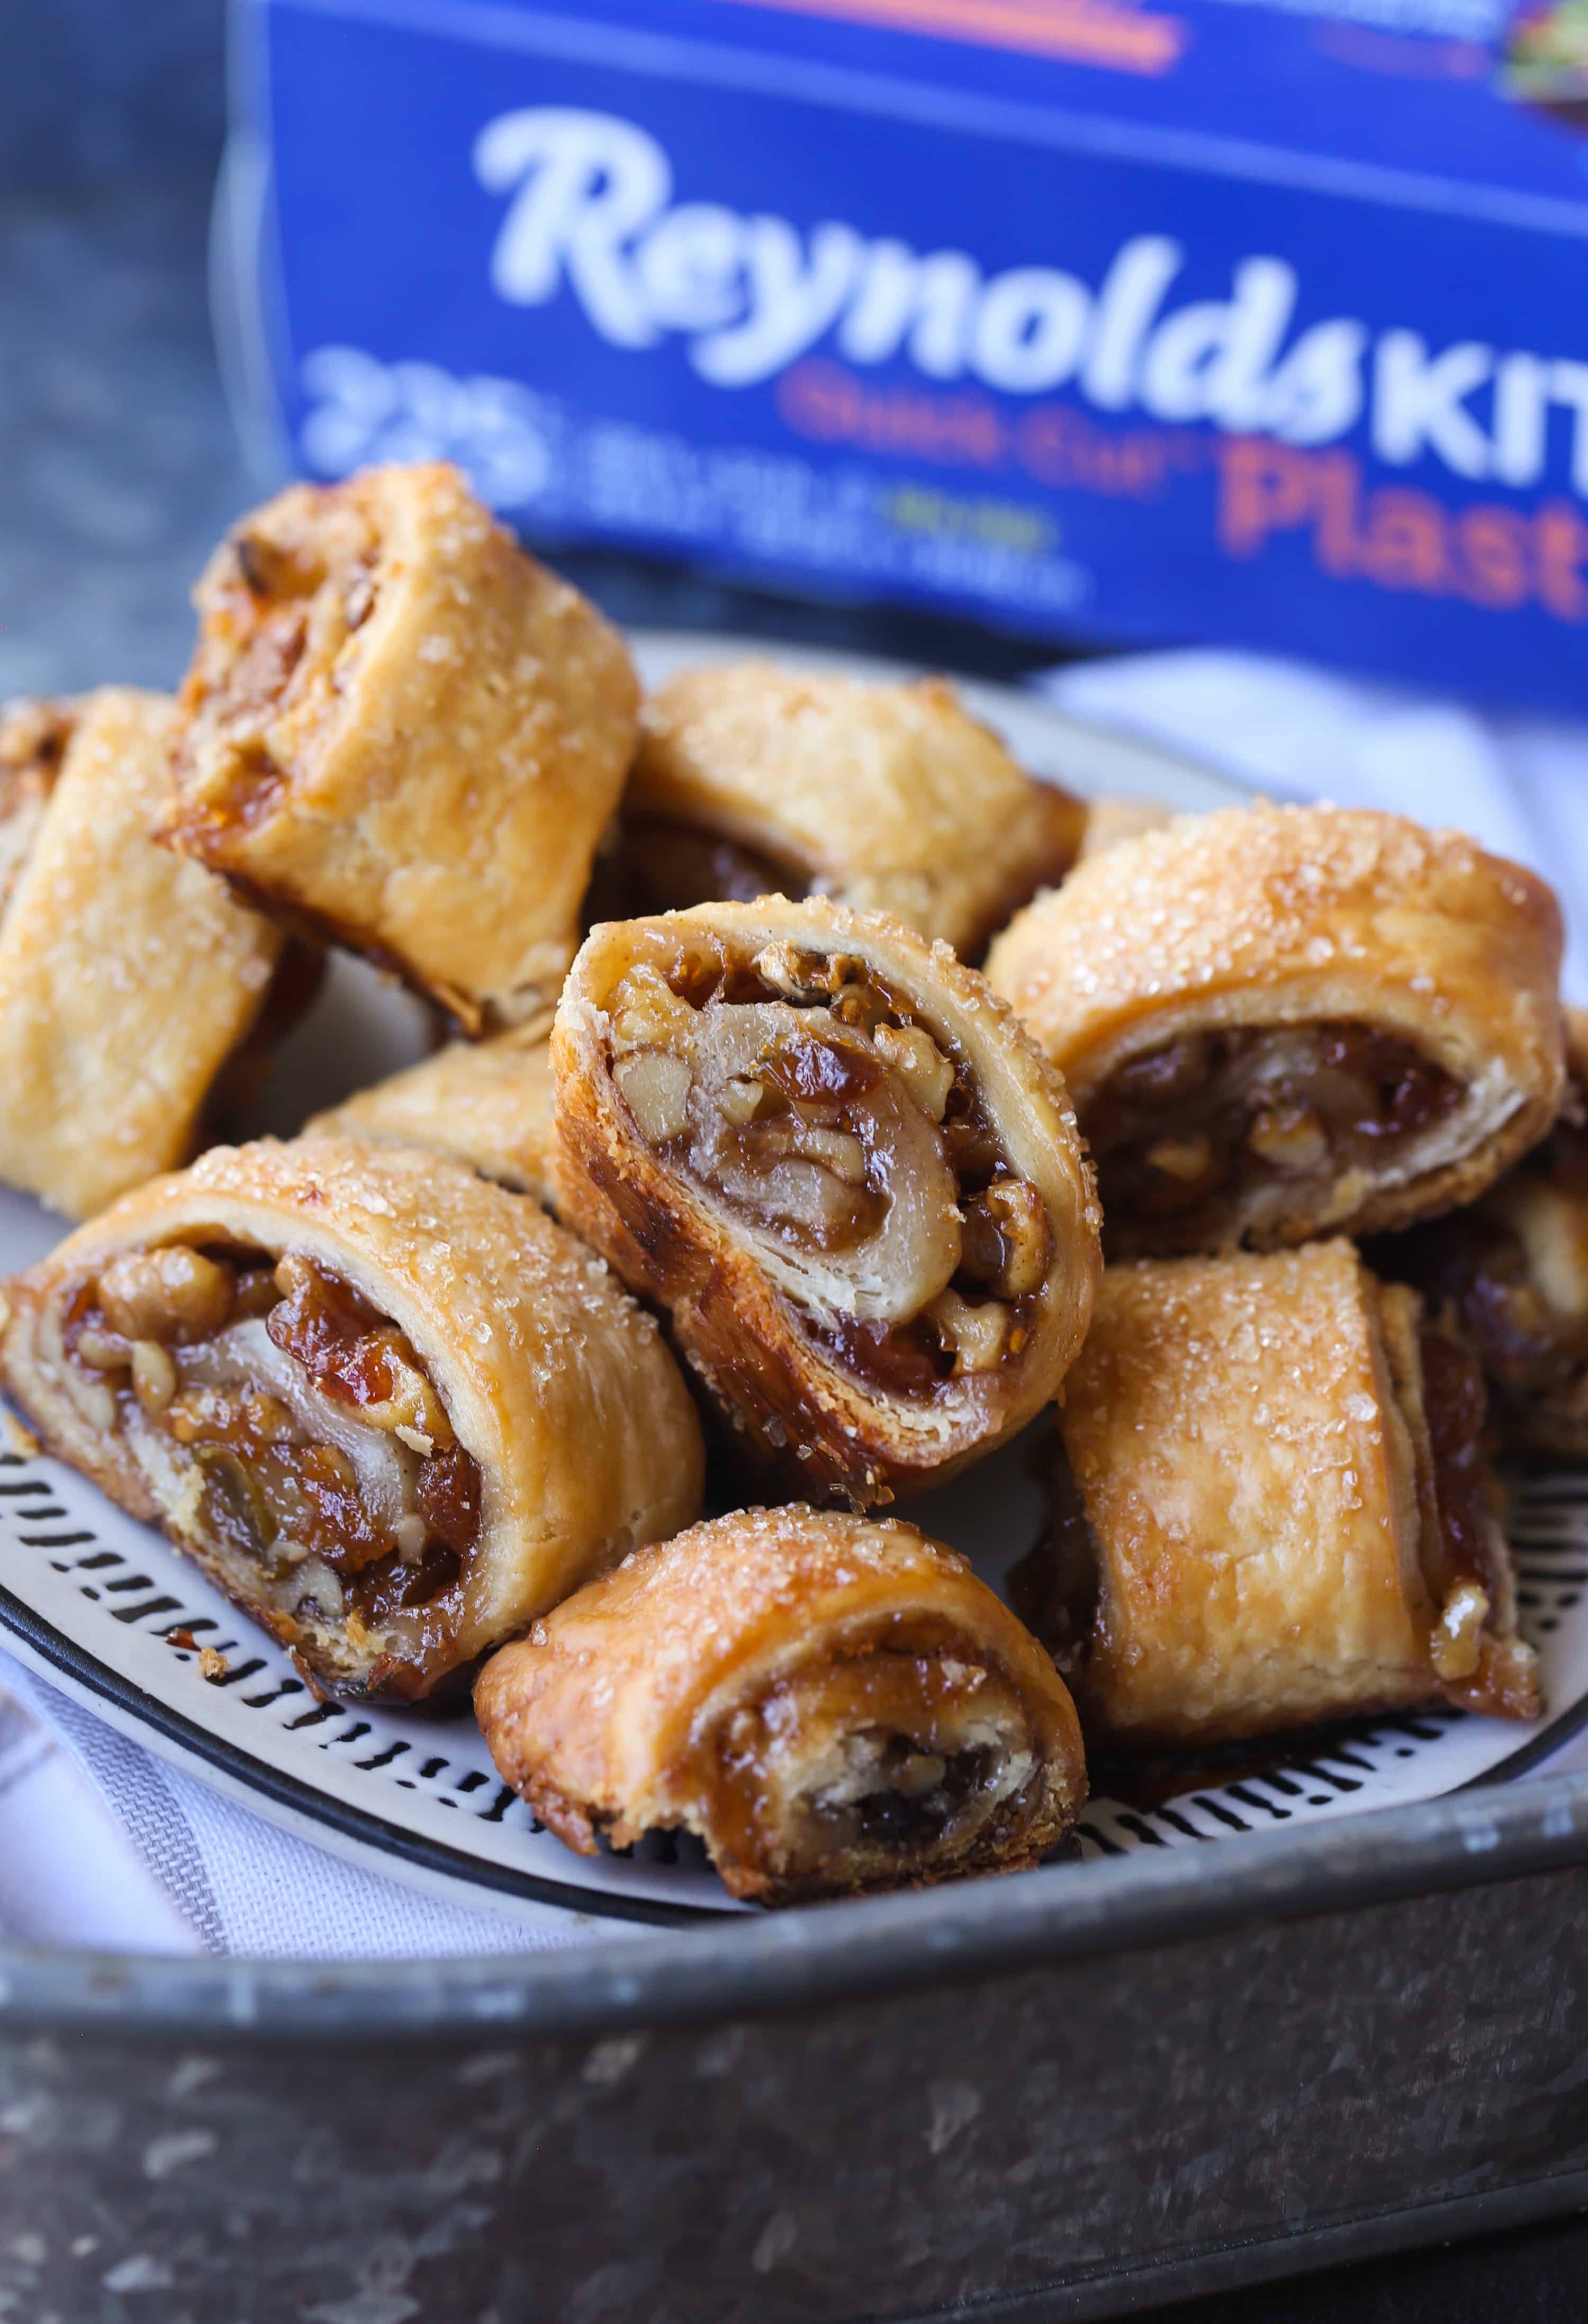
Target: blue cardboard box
<point>1255,320</point>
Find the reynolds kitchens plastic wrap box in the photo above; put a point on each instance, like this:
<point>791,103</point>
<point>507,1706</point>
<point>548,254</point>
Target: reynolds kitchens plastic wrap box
<point>1119,320</point>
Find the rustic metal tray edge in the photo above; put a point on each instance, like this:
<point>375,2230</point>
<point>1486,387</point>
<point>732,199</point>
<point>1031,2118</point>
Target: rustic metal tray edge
<point>1271,2259</point>
<point>779,1965</point>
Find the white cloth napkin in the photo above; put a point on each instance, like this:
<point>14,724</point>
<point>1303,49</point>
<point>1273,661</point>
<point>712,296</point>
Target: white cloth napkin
<point>103,1844</point>
<point>1518,785</point>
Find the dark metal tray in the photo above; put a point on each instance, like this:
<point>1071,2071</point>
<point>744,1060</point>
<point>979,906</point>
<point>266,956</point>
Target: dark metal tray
<point>1063,2098</point>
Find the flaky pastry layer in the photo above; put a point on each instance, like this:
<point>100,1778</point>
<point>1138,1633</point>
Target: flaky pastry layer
<point>887,798</point>
<point>853,1183</point>
<point>403,732</point>
<point>488,1103</point>
<point>1272,1508</point>
<point>831,1703</point>
<point>1177,979</point>
<point>354,1314</point>
<point>127,977</point>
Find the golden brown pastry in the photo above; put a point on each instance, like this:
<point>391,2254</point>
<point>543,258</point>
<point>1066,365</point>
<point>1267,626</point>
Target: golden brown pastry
<point>489,1103</point>
<point>1280,1022</point>
<point>1511,1273</point>
<point>843,1168</point>
<point>34,736</point>
<point>402,733</point>
<point>127,977</point>
<point>1272,1507</point>
<point>393,1411</point>
<point>753,780</point>
<point>832,1703</point>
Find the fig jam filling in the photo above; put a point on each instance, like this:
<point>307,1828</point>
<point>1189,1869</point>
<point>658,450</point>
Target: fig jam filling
<point>886,1752</point>
<point>803,1097</point>
<point>1207,1135</point>
<point>318,1445</point>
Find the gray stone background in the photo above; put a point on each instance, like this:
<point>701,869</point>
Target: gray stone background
<point>117,462</point>
<point>118,468</point>
<point>118,465</point>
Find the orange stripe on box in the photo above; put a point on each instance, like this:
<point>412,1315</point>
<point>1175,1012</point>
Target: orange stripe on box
<point>1111,33</point>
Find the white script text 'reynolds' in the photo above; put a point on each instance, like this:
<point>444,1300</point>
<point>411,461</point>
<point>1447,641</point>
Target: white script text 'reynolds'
<point>589,210</point>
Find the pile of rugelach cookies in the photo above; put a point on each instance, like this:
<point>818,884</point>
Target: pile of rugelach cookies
<point>808,1061</point>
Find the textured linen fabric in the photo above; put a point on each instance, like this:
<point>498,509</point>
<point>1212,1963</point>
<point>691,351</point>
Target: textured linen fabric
<point>104,1844</point>
<point>101,1843</point>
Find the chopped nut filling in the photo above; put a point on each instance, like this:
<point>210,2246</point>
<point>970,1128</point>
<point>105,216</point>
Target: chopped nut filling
<point>174,1294</point>
<point>1481,1270</point>
<point>294,597</point>
<point>317,1444</point>
<point>799,1093</point>
<point>1462,1549</point>
<point>34,736</point>
<point>1215,1133</point>
<point>977,1331</point>
<point>1513,1273</point>
<point>833,1770</point>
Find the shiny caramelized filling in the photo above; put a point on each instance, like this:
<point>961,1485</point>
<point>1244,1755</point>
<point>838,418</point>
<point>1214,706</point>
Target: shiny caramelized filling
<point>1215,1132</point>
<point>658,866</point>
<point>843,1766</point>
<point>282,612</point>
<point>1524,1309</point>
<point>1462,1551</point>
<point>1456,1409</point>
<point>802,1096</point>
<point>1528,1347</point>
<point>302,1430</point>
<point>1053,1589</point>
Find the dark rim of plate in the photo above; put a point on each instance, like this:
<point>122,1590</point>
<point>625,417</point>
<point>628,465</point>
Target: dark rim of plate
<point>304,1800</point>
<point>390,1841</point>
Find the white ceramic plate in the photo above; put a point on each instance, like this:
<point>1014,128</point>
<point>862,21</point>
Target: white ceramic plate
<point>93,1600</point>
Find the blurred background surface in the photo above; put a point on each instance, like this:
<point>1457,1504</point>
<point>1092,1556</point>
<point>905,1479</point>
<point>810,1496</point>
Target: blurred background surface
<point>119,464</point>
